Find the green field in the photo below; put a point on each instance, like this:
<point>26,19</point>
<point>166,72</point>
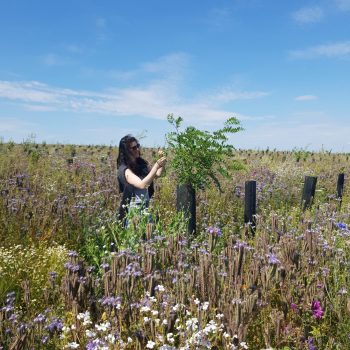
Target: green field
<point>72,277</point>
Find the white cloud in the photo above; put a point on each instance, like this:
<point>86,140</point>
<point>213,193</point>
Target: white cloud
<point>334,50</point>
<point>219,18</point>
<point>306,98</point>
<point>101,28</point>
<point>154,100</point>
<point>39,108</point>
<point>73,48</point>
<point>31,91</point>
<point>314,116</point>
<point>15,126</point>
<point>52,60</point>
<point>160,94</point>
<point>308,15</point>
<point>228,95</point>
<point>110,135</point>
<point>343,5</point>
<point>172,67</point>
<point>101,22</point>
<point>288,135</point>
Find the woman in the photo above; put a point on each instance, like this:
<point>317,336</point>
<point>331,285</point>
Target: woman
<point>134,175</point>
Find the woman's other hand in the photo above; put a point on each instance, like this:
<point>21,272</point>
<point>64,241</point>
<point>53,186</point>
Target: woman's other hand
<point>161,162</point>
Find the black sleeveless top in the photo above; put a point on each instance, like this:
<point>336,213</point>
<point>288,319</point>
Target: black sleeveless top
<point>128,190</point>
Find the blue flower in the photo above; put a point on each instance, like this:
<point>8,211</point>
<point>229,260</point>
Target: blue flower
<point>342,225</point>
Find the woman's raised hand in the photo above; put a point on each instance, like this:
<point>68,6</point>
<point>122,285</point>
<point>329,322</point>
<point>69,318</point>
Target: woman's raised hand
<point>161,161</point>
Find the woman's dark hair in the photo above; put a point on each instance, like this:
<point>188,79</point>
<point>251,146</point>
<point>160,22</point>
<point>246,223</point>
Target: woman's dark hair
<point>137,165</point>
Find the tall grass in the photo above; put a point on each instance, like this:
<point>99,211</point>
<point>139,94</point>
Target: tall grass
<point>81,280</point>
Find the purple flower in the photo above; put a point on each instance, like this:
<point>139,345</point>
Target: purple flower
<point>72,253</point>
<point>325,246</point>
<point>317,310</point>
<point>68,265</point>
<point>310,344</point>
<point>53,275</point>
<point>105,266</point>
<point>71,267</point>
<point>111,301</point>
<point>75,268</point>
<point>318,314</point>
<point>240,244</point>
<point>11,295</point>
<point>214,230</point>
<point>10,298</point>
<point>325,271</point>
<point>39,319</point>
<point>294,306</point>
<point>82,279</point>
<point>22,328</point>
<point>7,308</point>
<point>159,238</point>
<point>13,318</point>
<point>55,325</point>
<point>90,269</point>
<point>95,344</point>
<point>273,259</point>
<point>238,191</point>
<point>91,346</point>
<point>342,291</point>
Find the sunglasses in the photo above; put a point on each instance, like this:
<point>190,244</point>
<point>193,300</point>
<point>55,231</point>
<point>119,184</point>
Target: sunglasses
<point>134,148</point>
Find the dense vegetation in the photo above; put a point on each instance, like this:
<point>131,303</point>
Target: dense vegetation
<point>72,277</point>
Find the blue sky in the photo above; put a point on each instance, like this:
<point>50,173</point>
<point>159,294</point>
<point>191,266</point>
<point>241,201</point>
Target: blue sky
<point>89,72</point>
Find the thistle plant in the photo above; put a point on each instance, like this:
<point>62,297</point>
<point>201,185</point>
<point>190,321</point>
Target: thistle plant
<point>199,156</point>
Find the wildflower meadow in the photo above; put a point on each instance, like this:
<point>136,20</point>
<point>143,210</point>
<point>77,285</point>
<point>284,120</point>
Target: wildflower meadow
<point>73,277</point>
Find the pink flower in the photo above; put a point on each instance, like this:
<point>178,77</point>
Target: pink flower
<point>294,307</point>
<point>317,310</point>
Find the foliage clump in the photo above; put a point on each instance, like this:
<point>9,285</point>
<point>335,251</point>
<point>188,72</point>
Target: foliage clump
<point>199,156</point>
<point>29,268</point>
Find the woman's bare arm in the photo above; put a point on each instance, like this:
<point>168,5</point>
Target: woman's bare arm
<point>159,171</point>
<point>134,180</point>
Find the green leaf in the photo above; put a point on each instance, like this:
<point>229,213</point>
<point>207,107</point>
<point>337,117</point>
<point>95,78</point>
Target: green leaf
<point>198,155</point>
